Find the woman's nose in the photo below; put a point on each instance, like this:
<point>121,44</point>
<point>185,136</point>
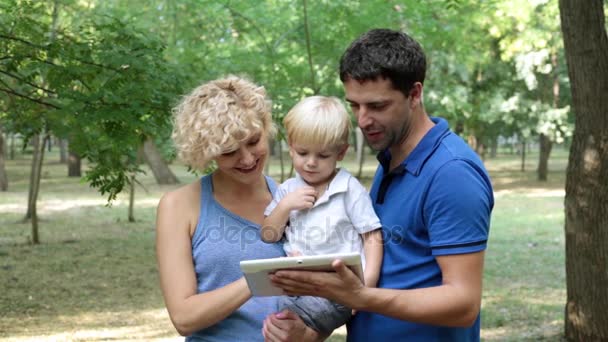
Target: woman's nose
<point>246,157</point>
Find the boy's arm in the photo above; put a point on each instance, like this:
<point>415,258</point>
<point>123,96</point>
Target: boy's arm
<point>273,226</point>
<point>373,248</point>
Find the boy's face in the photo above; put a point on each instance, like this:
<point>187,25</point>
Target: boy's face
<point>316,164</point>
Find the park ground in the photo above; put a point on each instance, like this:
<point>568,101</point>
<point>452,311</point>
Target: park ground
<point>94,277</point>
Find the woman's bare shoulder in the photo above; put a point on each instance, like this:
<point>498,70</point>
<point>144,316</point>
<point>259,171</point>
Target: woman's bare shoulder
<point>183,200</point>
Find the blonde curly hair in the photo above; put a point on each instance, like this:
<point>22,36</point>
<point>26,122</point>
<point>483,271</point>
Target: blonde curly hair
<point>217,116</point>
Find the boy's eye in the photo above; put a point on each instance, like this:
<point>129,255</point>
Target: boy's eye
<point>324,156</point>
<point>301,153</point>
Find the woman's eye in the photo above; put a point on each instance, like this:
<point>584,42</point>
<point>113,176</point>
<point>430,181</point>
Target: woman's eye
<point>254,142</point>
<point>227,154</point>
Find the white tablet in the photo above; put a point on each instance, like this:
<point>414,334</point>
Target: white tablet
<point>257,271</point>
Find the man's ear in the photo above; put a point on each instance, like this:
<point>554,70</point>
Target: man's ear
<point>416,94</point>
<point>342,152</point>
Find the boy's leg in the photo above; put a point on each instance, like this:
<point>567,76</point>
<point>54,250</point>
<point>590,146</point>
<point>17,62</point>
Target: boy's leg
<point>318,313</point>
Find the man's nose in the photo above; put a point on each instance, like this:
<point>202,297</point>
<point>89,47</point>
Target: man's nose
<point>363,117</point>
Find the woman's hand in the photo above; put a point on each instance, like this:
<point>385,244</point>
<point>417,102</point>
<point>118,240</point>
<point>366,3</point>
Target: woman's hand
<point>287,326</point>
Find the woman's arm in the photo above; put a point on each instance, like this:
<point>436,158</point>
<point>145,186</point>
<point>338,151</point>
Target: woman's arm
<point>373,248</point>
<point>176,217</point>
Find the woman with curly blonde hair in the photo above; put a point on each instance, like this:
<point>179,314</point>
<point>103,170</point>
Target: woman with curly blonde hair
<point>205,228</point>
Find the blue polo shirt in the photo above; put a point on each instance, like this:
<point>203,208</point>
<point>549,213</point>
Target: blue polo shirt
<point>436,202</point>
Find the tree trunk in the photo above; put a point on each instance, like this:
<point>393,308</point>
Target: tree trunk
<point>12,147</point>
<point>74,163</point>
<point>3,175</point>
<point>494,148</point>
<point>35,174</point>
<point>162,172</point>
<point>360,147</point>
<point>480,148</point>
<point>131,215</point>
<point>523,155</point>
<point>586,203</point>
<point>281,161</point>
<point>63,151</point>
<point>543,157</point>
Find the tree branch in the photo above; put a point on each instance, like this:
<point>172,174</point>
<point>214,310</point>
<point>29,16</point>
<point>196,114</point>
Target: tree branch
<point>28,83</point>
<point>308,51</point>
<point>21,40</point>
<point>11,91</point>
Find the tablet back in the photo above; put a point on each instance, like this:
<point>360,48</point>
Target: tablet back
<point>257,271</point>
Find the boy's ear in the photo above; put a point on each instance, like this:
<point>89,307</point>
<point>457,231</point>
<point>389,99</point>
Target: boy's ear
<point>290,150</point>
<point>342,152</point>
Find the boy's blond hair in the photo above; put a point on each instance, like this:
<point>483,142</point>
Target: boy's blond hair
<point>217,116</point>
<point>318,120</point>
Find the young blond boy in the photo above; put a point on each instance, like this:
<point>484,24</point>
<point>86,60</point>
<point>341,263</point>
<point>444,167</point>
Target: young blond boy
<point>323,210</point>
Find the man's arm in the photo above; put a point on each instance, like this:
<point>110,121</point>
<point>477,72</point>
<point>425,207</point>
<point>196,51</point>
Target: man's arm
<point>456,302</point>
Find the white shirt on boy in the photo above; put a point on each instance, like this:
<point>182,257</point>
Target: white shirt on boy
<point>335,222</point>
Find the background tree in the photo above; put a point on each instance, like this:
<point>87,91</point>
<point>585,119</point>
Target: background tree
<point>3,150</point>
<point>586,228</point>
<point>100,82</point>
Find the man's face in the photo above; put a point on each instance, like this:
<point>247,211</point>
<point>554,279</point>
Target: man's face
<point>383,113</point>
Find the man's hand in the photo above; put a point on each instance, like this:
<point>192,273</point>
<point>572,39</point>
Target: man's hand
<point>301,198</point>
<point>343,286</point>
<point>287,326</point>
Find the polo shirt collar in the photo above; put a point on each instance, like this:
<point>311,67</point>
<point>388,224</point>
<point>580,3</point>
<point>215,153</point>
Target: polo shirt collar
<point>337,185</point>
<point>415,160</point>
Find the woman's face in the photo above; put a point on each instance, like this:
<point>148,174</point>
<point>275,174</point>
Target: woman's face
<point>246,162</point>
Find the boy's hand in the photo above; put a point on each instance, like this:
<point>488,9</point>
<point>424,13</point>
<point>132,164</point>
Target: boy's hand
<point>301,198</point>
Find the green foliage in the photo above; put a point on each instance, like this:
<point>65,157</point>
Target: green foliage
<point>99,81</point>
<point>113,68</point>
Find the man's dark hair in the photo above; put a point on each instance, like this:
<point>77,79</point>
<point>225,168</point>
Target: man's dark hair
<point>387,54</point>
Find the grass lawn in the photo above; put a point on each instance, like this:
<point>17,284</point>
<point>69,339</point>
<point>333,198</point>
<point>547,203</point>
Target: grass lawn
<point>93,277</point>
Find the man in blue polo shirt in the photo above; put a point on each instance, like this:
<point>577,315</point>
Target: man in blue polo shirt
<point>433,197</point>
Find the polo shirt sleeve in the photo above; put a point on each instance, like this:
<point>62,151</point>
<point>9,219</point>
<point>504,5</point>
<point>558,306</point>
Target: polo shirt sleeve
<point>457,209</point>
<point>360,209</point>
<point>279,193</point>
